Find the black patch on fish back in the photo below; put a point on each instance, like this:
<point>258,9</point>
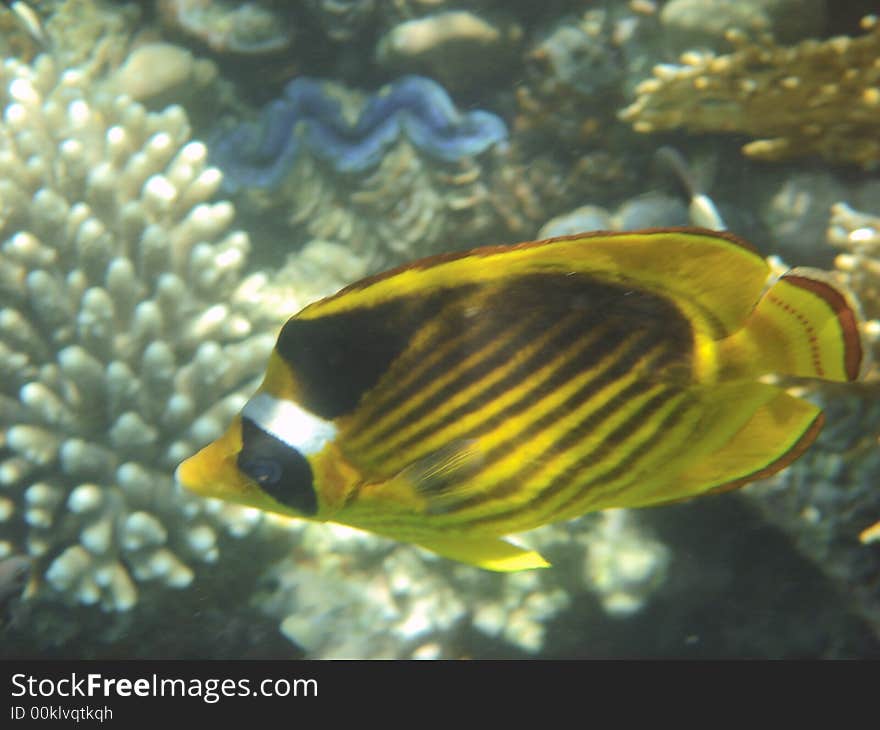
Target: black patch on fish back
<point>281,471</point>
<point>337,358</point>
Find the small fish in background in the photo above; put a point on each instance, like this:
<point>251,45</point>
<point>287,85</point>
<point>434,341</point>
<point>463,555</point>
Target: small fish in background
<point>29,20</point>
<point>468,396</point>
<point>701,209</point>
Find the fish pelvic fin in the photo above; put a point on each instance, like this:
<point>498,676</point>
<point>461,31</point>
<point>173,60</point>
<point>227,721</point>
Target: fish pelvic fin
<point>490,553</point>
<point>805,325</point>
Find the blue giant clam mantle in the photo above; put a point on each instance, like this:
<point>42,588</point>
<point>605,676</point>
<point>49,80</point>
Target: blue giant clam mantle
<point>259,153</point>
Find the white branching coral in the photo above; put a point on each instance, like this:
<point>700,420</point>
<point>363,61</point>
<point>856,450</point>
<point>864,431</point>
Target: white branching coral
<point>344,594</point>
<point>119,354</point>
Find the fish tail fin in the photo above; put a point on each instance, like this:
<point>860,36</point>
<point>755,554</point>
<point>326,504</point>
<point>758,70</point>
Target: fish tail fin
<point>805,325</point>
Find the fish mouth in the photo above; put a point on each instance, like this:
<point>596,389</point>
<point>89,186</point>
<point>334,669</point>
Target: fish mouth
<point>187,475</point>
<point>211,470</point>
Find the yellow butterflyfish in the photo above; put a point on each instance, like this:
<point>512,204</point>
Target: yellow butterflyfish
<point>464,397</point>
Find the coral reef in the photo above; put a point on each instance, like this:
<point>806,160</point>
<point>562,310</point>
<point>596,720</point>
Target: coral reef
<point>415,108</point>
<point>119,350</point>
<point>227,27</point>
<point>572,73</point>
<point>342,20</point>
<point>458,47</point>
<point>90,33</point>
<point>651,210</point>
<point>859,267</point>
<point>155,71</point>
<point>130,328</point>
<point>411,205</point>
<point>705,23</point>
<point>814,98</point>
<point>827,498</point>
<point>344,593</point>
<point>397,182</point>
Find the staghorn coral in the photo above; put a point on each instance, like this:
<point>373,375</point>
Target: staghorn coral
<point>814,98</point>
<point>118,352</point>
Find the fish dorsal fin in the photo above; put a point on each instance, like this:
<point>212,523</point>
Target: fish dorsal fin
<point>714,276</point>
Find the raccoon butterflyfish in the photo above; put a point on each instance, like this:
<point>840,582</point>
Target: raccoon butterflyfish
<point>467,396</point>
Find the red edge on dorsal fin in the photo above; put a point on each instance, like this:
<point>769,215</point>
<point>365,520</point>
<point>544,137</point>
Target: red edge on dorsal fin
<point>429,261</point>
<point>846,317</point>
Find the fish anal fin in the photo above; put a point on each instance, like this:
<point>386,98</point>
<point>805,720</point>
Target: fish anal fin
<point>490,553</point>
<point>776,434</point>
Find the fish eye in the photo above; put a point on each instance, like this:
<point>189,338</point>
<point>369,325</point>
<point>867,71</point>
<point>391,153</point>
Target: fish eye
<point>264,472</point>
<point>279,469</point>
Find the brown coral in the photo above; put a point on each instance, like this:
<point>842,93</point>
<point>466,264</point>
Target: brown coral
<point>817,97</point>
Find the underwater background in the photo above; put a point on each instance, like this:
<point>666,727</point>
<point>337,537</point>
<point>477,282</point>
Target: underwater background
<point>177,178</point>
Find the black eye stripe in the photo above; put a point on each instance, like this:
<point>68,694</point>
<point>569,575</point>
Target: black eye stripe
<point>263,458</point>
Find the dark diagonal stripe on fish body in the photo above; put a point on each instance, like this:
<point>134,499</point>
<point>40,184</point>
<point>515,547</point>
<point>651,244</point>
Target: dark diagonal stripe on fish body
<point>517,399</point>
<point>589,398</point>
<point>473,358</point>
<point>617,454</point>
<point>544,298</point>
<point>511,368</point>
<point>540,301</point>
<point>648,351</point>
<point>608,370</point>
<point>614,480</point>
<point>655,361</point>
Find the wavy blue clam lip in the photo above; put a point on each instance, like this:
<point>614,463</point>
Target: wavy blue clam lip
<point>260,153</point>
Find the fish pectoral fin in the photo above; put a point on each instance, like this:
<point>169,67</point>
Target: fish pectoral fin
<point>491,553</point>
<point>443,477</point>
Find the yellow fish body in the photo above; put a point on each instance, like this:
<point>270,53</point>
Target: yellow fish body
<point>468,396</point>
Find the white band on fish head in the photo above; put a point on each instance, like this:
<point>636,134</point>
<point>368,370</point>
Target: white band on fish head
<point>289,423</point>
